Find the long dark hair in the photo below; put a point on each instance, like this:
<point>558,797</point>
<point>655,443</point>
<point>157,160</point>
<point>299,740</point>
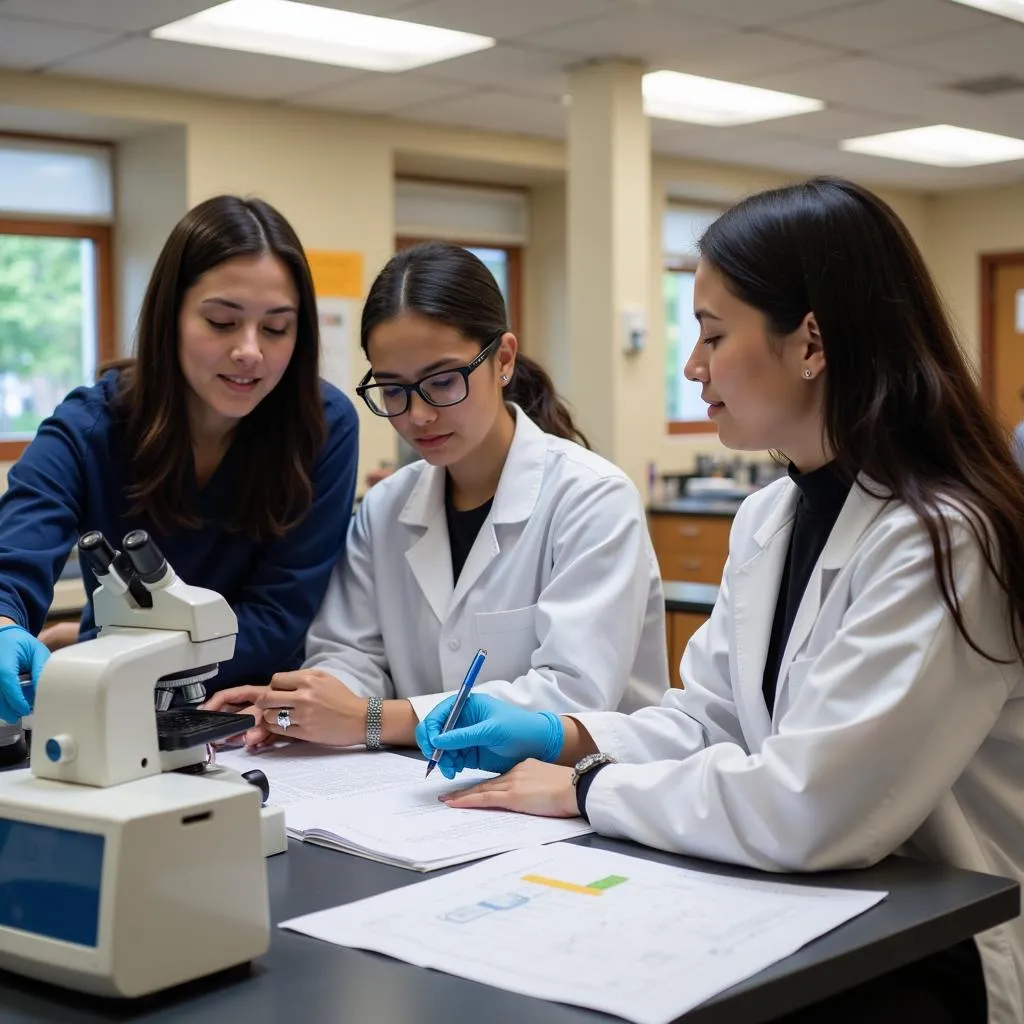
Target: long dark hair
<point>277,443</point>
<point>446,282</point>
<point>901,404</point>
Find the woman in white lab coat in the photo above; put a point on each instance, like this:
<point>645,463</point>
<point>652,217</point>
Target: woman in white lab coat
<point>509,535</point>
<point>858,689</point>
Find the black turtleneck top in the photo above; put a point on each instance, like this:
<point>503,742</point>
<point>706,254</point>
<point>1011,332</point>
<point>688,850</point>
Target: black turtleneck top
<point>462,528</point>
<point>822,495</point>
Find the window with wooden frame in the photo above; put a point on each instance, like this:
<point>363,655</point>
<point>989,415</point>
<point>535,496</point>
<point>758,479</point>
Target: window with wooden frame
<point>56,301</point>
<point>685,412</point>
<point>491,221</point>
<point>505,262</point>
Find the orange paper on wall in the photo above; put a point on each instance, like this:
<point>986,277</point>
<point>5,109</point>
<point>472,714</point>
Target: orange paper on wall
<point>337,274</point>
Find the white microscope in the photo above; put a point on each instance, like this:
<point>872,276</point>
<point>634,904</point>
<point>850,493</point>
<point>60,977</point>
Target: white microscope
<point>127,863</point>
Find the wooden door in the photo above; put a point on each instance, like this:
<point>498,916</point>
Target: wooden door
<point>1003,343</point>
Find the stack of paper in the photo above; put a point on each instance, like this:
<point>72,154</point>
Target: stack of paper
<point>642,940</point>
<point>380,806</point>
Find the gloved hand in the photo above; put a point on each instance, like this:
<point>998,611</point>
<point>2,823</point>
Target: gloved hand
<point>490,734</point>
<point>20,652</point>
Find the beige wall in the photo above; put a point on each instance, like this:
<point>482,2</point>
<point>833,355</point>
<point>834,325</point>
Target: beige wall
<point>333,176</point>
<point>964,225</point>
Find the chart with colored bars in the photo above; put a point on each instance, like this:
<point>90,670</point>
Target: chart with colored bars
<point>591,889</point>
<point>512,900</point>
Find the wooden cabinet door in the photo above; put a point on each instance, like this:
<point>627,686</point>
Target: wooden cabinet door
<point>691,548</point>
<point>680,626</point>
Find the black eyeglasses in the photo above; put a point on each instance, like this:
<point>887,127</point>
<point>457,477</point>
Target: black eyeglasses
<point>444,388</point>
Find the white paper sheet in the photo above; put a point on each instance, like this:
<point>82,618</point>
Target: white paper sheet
<point>411,827</point>
<point>305,771</point>
<point>338,318</point>
<point>380,806</point>
<point>641,940</point>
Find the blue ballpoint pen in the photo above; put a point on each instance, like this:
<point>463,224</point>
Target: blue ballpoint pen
<point>453,716</point>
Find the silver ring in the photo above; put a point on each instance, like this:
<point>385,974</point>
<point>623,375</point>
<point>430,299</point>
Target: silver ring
<point>284,719</point>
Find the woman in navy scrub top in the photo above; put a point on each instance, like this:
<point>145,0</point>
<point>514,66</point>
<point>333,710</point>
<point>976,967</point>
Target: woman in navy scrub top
<point>219,439</point>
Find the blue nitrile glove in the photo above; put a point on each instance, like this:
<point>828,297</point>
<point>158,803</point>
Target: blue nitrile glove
<point>490,734</point>
<point>20,652</point>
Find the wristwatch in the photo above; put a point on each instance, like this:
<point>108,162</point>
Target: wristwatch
<point>583,775</point>
<point>374,721</point>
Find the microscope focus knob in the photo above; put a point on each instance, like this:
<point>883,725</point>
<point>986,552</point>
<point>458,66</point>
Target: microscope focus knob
<point>256,778</point>
<point>61,749</point>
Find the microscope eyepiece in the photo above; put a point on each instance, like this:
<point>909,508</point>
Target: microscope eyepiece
<point>96,551</point>
<point>146,558</point>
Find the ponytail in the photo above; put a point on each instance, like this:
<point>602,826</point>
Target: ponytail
<point>534,392</point>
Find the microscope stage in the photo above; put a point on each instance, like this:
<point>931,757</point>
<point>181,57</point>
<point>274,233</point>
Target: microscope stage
<point>183,728</point>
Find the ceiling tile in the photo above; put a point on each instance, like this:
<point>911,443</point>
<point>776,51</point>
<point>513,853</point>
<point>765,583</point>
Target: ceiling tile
<point>806,161</point>
<point>1009,107</point>
<point>644,33</point>
<point>32,44</point>
<point>883,24</point>
<point>803,159</point>
<point>378,8</point>
<point>752,12</point>
<point>504,19</point>
<point>517,69</point>
<point>204,69</point>
<point>876,85</point>
<point>524,115</point>
<point>742,54</point>
<point>380,93</point>
<point>818,132</point>
<point>674,137</point>
<point>121,15</point>
<point>832,124</point>
<point>973,54</point>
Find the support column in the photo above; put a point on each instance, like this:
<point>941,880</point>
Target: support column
<point>609,219</point>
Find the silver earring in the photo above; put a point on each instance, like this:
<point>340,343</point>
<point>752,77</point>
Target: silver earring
<point>504,378</point>
<point>808,374</point>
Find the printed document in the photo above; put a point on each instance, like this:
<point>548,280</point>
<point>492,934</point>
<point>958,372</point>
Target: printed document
<point>379,805</point>
<point>593,928</point>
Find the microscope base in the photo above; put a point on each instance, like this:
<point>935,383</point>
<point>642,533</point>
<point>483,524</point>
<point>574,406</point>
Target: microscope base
<point>275,839</point>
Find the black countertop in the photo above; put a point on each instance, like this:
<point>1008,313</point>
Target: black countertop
<point>305,981</point>
<point>725,507</point>
<point>690,597</point>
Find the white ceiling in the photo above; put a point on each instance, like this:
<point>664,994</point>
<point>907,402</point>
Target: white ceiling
<point>879,64</point>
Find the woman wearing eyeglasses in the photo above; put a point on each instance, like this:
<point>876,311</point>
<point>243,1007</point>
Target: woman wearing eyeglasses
<point>509,535</point>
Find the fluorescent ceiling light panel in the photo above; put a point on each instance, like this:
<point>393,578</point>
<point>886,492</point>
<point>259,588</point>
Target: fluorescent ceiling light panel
<point>284,28</point>
<point>941,145</point>
<point>678,97</point>
<point>1013,9</point>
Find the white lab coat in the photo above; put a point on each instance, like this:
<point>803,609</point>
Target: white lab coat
<point>561,588</point>
<point>889,734</point>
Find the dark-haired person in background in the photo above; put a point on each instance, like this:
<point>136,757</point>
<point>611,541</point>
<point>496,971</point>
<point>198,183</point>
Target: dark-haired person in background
<point>219,439</point>
<point>858,689</point>
<point>509,535</point>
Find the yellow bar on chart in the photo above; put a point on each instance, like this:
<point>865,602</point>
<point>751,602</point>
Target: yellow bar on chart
<point>554,883</point>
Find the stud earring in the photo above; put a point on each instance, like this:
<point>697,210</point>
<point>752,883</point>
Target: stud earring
<point>504,378</point>
<point>808,374</point>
